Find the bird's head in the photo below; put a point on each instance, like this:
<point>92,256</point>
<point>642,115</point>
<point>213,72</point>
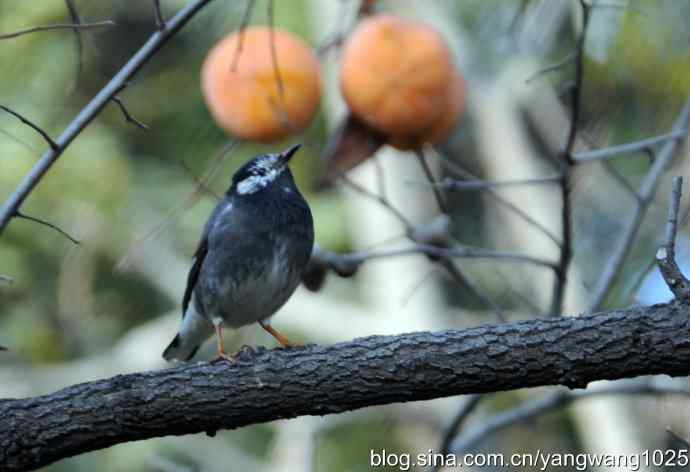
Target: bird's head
<point>262,172</point>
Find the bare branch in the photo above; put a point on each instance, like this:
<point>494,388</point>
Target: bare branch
<point>613,172</point>
<point>530,410</point>
<point>432,181</point>
<point>334,260</point>
<point>464,281</point>
<point>48,224</point>
<point>128,117</point>
<point>240,39</point>
<point>74,14</point>
<point>470,185</point>
<point>579,83</point>
<point>266,385</point>
<point>469,404</point>
<point>145,53</point>
<point>53,145</point>
<point>613,266</point>
<point>26,145</point>
<point>274,61</point>
<point>666,255</point>
<point>158,15</point>
<point>200,186</point>
<point>72,26</point>
<point>561,275</point>
<point>526,217</point>
<point>6,279</point>
<point>381,199</point>
<point>628,148</point>
<point>553,67</point>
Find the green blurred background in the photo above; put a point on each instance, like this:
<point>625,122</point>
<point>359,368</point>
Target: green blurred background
<point>132,198</point>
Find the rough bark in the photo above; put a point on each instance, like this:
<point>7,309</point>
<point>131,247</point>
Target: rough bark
<point>316,380</point>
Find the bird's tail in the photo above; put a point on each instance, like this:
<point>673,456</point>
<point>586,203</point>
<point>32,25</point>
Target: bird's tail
<point>178,350</point>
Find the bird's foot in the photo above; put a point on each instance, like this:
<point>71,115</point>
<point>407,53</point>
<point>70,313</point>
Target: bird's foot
<point>232,358</point>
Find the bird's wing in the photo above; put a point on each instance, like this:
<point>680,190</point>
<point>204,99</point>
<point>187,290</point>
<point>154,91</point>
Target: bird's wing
<point>193,276</point>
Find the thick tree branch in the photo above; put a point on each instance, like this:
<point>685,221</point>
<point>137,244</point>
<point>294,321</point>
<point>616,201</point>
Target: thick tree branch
<point>147,51</point>
<point>318,380</point>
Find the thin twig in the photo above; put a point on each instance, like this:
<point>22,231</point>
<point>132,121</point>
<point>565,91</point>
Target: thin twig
<point>622,6</point>
<point>201,185</point>
<point>74,15</point>
<point>469,185</point>
<point>666,255</point>
<point>60,26</point>
<point>469,404</point>
<point>645,194</point>
<point>673,210</point>
<point>561,276</point>
<point>526,217</point>
<point>53,145</point>
<point>274,56</point>
<point>358,257</point>
<point>551,68</point>
<point>338,37</point>
<point>530,410</point>
<point>240,39</point>
<point>463,280</point>
<point>94,107</point>
<point>629,148</point>
<point>579,83</point>
<point>128,117</point>
<point>615,175</point>
<point>380,177</point>
<point>380,199</point>
<point>432,181</point>
<point>49,225</point>
<point>158,15</point>
<point>26,145</point>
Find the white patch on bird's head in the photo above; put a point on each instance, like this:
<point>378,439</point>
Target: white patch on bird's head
<point>262,172</point>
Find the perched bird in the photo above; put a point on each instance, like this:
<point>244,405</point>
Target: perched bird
<point>252,253</point>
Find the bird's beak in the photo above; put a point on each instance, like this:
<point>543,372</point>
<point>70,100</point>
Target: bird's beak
<point>287,155</point>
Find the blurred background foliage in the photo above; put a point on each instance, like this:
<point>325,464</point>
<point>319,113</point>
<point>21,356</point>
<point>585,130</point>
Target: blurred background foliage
<point>130,195</point>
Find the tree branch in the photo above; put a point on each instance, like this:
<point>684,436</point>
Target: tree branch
<point>666,255</point>
<point>53,145</point>
<point>644,195</point>
<point>72,26</point>
<point>147,51</point>
<point>628,148</point>
<point>530,410</point>
<point>266,385</point>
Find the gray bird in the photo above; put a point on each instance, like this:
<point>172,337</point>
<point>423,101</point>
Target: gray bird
<point>252,253</point>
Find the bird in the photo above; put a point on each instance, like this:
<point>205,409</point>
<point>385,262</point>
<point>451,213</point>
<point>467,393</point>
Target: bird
<point>253,250</point>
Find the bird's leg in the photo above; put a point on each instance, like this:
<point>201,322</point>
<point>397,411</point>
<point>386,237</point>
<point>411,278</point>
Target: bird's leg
<point>218,324</point>
<point>279,337</point>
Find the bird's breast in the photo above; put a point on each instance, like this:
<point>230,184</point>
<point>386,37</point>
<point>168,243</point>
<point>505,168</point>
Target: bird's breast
<point>252,284</point>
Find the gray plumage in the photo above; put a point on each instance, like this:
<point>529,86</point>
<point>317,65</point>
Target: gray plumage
<point>251,255</point>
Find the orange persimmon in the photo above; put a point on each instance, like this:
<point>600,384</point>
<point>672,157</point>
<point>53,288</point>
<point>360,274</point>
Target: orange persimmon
<point>395,76</point>
<point>455,102</point>
<point>249,96</point>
